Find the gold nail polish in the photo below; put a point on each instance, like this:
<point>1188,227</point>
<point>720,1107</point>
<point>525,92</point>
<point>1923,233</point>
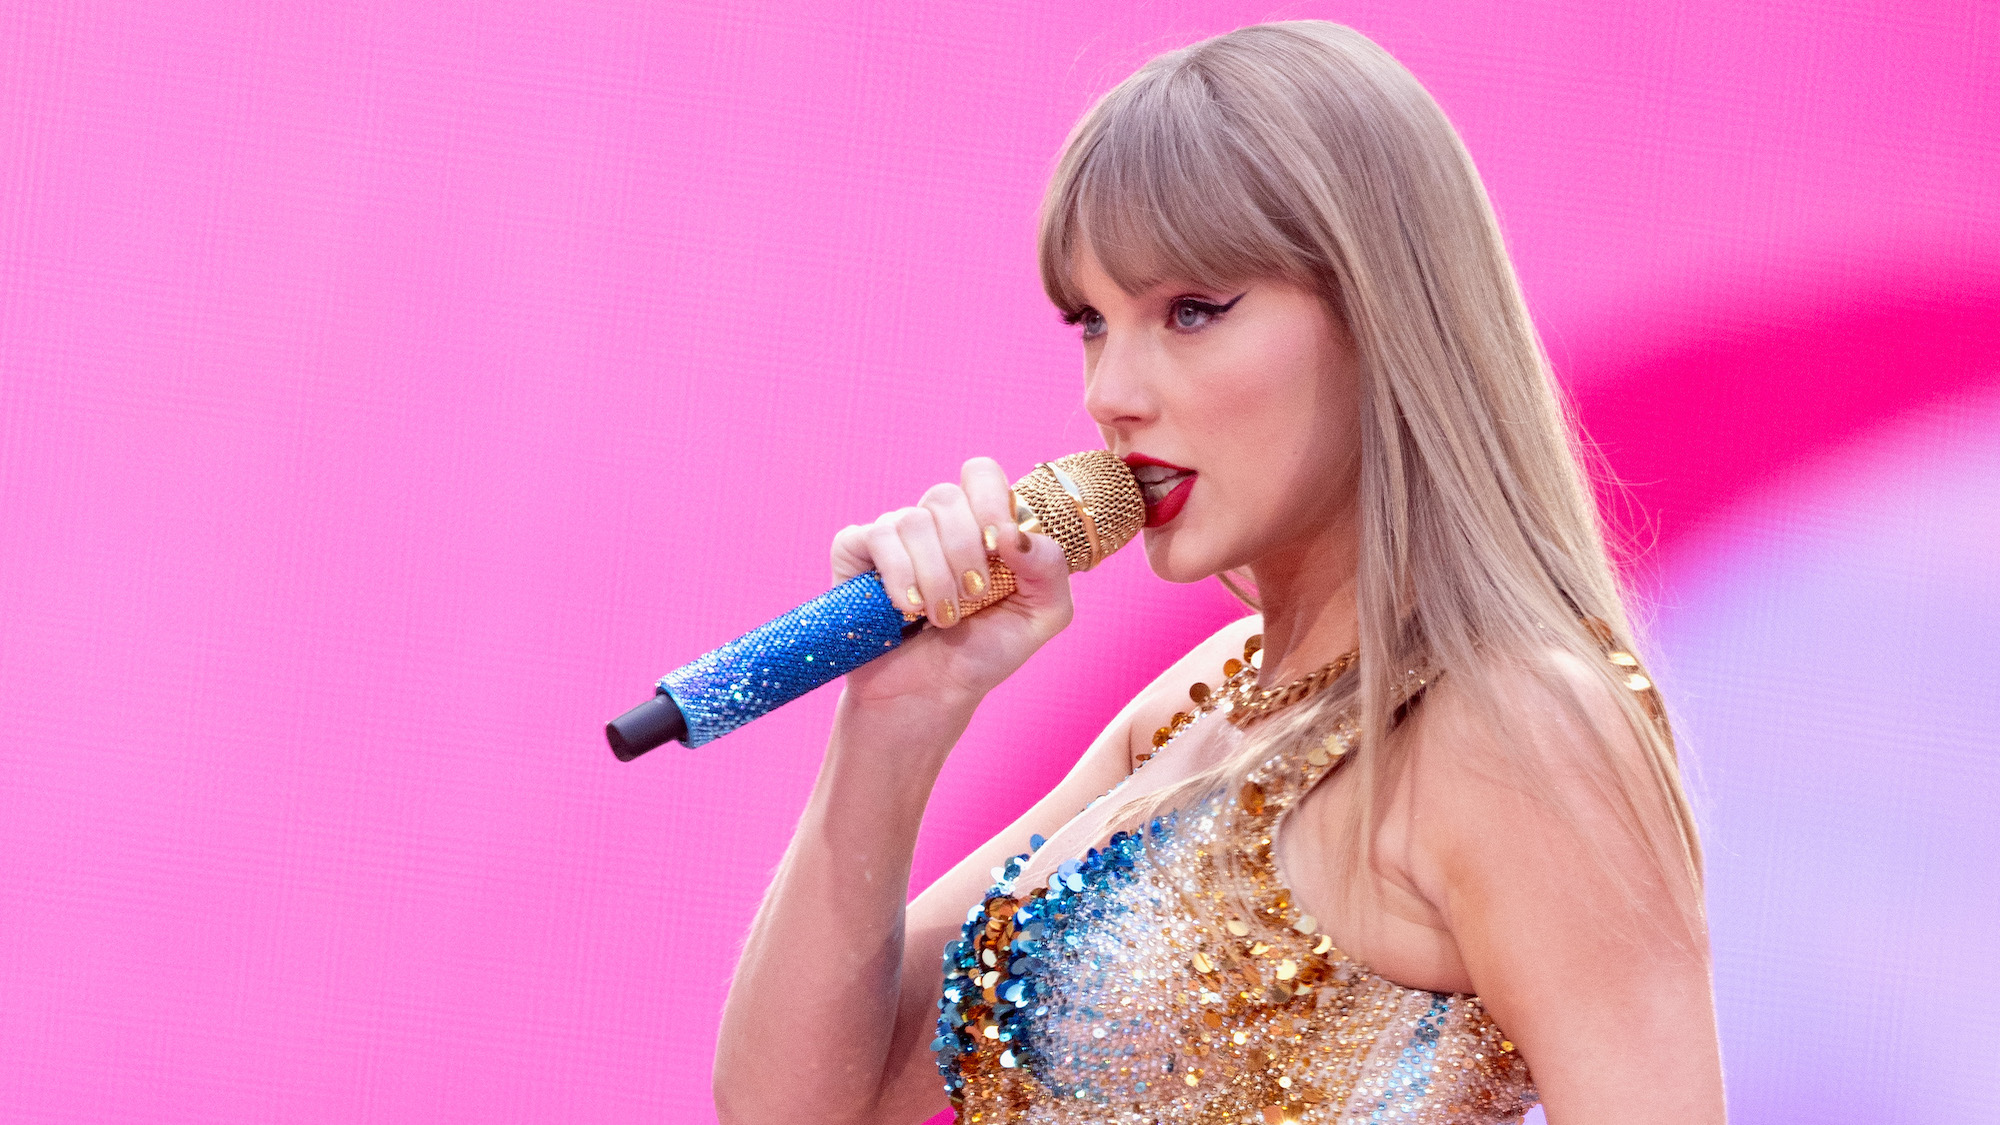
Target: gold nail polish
<point>992,537</point>
<point>915,597</point>
<point>946,614</point>
<point>1027,544</point>
<point>974,584</point>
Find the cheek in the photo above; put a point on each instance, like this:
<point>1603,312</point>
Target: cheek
<point>1263,464</point>
<point>1292,427</point>
<point>1283,418</point>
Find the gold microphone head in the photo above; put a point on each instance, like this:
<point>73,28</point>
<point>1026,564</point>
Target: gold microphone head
<point>1089,502</point>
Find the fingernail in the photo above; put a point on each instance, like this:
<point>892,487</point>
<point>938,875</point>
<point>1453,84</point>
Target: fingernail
<point>946,614</point>
<point>974,583</point>
<point>1027,544</point>
<point>915,597</point>
<point>992,537</point>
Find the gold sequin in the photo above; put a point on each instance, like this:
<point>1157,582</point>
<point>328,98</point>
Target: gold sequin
<point>1631,674</point>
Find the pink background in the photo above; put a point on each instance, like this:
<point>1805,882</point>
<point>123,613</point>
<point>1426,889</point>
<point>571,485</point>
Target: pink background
<point>390,391</point>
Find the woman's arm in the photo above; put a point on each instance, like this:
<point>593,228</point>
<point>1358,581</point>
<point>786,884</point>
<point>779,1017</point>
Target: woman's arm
<point>838,985</point>
<point>839,982</point>
<point>1586,948</point>
<point>817,990</point>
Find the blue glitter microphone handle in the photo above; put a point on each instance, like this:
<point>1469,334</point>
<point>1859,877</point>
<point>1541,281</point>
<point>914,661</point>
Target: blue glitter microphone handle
<point>768,667</point>
<point>1088,502</point>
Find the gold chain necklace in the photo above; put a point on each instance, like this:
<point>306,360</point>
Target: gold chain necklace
<point>1239,698</point>
<point>1242,702</point>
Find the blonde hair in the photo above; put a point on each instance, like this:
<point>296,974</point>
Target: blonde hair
<point>1304,150</point>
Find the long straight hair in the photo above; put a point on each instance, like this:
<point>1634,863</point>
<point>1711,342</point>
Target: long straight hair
<point>1303,150</point>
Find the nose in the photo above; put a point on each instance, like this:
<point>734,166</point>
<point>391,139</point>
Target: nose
<point>1118,388</point>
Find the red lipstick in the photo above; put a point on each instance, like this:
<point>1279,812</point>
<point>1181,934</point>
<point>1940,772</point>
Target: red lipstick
<point>1164,484</point>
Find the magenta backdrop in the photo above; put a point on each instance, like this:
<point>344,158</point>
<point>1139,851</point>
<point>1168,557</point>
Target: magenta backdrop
<point>389,391</point>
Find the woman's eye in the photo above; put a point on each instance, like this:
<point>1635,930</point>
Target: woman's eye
<point>1188,314</point>
<point>1092,322</point>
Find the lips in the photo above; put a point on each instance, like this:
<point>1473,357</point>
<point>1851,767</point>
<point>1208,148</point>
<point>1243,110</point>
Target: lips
<point>1164,485</point>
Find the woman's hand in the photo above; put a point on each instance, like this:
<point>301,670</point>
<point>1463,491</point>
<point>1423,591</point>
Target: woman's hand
<point>934,557</point>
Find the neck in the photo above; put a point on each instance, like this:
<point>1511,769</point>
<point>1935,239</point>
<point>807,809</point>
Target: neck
<point>1307,591</point>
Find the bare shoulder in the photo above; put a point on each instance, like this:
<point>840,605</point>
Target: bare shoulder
<point>1558,715</point>
<point>1514,780</point>
<point>1168,693</point>
<point>1545,832</point>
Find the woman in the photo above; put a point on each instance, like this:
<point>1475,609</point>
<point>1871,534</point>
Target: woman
<point>1417,848</point>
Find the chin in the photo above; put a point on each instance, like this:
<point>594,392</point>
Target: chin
<point>1172,556</point>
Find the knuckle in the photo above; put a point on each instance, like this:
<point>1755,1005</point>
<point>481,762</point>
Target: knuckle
<point>928,559</point>
<point>984,480</point>
<point>943,494</point>
<point>886,555</point>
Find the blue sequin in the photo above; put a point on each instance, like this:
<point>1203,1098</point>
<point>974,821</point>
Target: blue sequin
<point>1037,920</point>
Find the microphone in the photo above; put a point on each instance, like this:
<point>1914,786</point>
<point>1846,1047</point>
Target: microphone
<point>1089,502</point>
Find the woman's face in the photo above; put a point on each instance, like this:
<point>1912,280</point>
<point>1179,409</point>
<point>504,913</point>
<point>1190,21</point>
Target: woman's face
<point>1239,410</point>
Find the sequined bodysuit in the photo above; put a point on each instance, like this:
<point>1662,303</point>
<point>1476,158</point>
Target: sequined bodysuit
<point>1167,977</point>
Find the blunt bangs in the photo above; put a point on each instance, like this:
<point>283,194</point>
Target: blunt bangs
<point>1159,183</point>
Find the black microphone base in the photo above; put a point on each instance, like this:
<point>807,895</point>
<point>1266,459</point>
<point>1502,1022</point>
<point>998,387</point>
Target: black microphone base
<point>652,723</point>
